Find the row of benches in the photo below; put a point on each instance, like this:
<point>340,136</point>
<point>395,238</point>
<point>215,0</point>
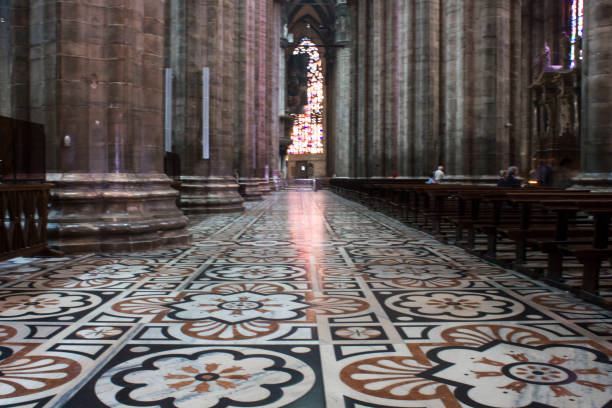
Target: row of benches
<point>562,236</point>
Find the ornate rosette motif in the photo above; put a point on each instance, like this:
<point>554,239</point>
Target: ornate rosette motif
<point>100,332</point>
<point>433,283</point>
<point>391,252</point>
<point>238,307</point>
<point>173,272</point>
<point>255,272</point>
<point>104,269</point>
<point>206,377</point>
<point>358,333</point>
<point>408,271</point>
<point>37,305</point>
<point>336,305</point>
<point>454,305</point>
<point>265,255</point>
<point>507,375</point>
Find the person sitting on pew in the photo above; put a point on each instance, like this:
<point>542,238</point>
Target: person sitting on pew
<point>439,174</point>
<point>503,175</point>
<point>510,179</point>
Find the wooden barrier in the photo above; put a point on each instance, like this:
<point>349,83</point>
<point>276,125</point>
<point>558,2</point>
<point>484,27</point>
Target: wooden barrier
<point>569,230</point>
<point>23,230</point>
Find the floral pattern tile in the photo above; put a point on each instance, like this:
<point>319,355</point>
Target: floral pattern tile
<point>304,300</point>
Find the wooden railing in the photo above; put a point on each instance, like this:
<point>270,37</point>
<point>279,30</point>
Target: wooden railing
<point>23,216</point>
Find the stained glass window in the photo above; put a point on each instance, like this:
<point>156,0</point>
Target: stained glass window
<point>307,131</point>
<point>577,25</point>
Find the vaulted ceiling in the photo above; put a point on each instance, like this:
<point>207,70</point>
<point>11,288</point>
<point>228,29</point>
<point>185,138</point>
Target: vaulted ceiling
<point>319,14</point>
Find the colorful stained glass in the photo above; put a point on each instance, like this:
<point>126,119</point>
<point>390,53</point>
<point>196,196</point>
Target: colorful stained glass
<point>307,132</point>
<point>577,25</point>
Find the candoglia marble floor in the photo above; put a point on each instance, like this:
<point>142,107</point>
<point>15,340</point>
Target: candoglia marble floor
<point>305,300</point>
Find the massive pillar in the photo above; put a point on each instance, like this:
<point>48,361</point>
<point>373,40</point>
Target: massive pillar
<point>390,88</point>
<point>245,124</point>
<point>256,95</point>
<point>101,73</point>
<point>342,91</point>
<point>202,37</point>
<point>15,59</point>
<point>375,94</point>
<point>596,120</point>
<point>361,94</point>
<point>262,101</point>
<point>427,86</point>
<point>274,85</point>
<point>491,145</point>
<point>406,85</point>
<point>458,86</point>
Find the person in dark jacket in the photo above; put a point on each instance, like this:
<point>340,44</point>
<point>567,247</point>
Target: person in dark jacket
<point>509,179</point>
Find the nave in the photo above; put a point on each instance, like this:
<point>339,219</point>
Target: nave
<point>305,300</point>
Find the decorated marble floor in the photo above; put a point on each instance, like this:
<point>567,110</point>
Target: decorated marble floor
<point>305,300</point>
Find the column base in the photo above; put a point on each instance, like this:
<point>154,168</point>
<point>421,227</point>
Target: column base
<point>206,195</point>
<point>114,213</point>
<point>250,190</point>
<point>274,185</point>
<point>264,186</point>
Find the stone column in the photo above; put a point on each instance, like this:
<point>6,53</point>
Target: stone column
<point>375,83</point>
<point>596,118</point>
<point>391,94</point>
<point>406,87</point>
<point>342,91</point>
<point>245,125</point>
<point>262,119</point>
<point>427,86</point>
<point>15,59</point>
<point>361,98</point>
<point>491,145</point>
<point>205,37</point>
<point>105,93</point>
<point>274,35</point>
<point>458,84</point>
<point>284,138</point>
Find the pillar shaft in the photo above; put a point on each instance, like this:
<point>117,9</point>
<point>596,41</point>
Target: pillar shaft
<point>342,93</point>
<point>202,36</point>
<point>596,121</point>
<point>427,83</point>
<point>492,92</point>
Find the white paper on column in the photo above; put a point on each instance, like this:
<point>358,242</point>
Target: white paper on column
<point>168,111</point>
<point>206,113</point>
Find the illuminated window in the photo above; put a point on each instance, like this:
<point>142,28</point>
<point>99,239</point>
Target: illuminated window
<point>307,131</point>
<point>577,24</point>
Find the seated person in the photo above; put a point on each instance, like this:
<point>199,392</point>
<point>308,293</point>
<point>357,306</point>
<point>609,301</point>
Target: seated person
<point>510,179</point>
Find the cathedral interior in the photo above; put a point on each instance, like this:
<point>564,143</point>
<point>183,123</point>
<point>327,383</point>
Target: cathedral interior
<point>306,203</point>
